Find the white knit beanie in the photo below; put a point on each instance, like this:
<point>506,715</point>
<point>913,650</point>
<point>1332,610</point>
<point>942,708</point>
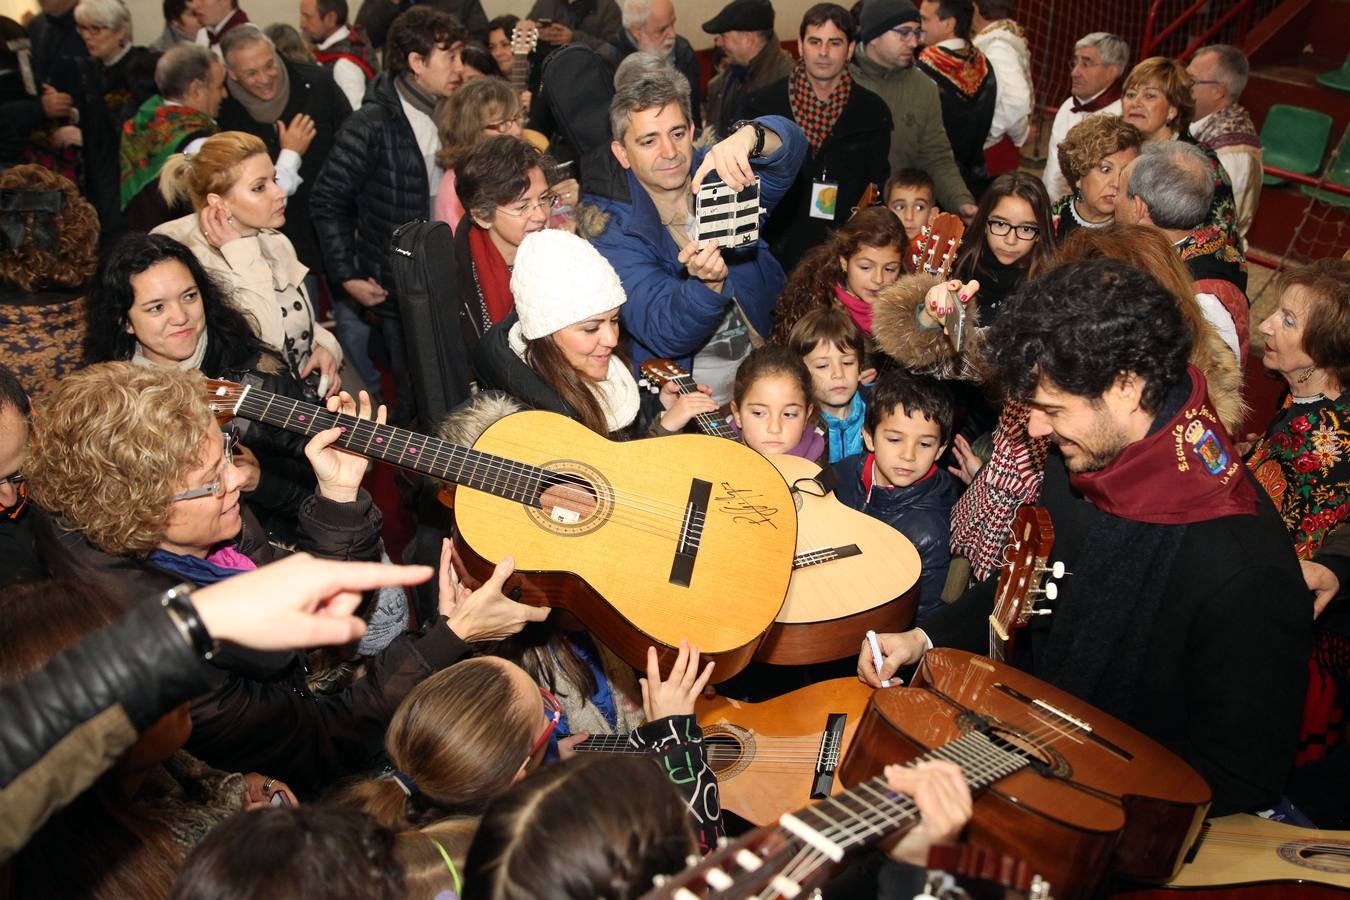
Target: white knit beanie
<point>558,280</point>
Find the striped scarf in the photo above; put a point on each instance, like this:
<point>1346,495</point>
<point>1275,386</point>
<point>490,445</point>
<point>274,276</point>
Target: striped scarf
<point>815,116</point>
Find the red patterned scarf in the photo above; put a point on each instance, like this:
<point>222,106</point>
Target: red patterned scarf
<point>815,116</point>
<point>966,68</point>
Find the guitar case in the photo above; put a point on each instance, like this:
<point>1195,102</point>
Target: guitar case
<point>576,86</point>
<point>426,279</point>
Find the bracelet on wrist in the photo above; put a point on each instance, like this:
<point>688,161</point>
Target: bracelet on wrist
<point>178,604</point>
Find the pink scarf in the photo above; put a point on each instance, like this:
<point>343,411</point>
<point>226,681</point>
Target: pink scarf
<point>860,310</point>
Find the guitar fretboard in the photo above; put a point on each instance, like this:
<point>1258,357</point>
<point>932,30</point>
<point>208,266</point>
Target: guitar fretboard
<point>419,452</point>
<point>708,423</point>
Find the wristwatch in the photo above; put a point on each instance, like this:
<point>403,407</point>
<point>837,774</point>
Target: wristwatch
<point>758,149</point>
<point>178,605</point>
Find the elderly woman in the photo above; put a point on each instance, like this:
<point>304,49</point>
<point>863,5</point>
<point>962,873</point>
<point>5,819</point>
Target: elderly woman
<point>1303,462</point>
<point>1157,100</point>
<point>234,233</point>
<point>142,494</point>
<point>1091,156</point>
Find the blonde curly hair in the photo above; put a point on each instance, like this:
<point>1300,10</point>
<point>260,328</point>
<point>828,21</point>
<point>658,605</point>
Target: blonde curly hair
<point>110,446</point>
<point>71,263</point>
<point>1091,141</point>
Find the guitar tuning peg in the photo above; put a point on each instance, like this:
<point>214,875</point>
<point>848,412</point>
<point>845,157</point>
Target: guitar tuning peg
<point>1056,570</point>
<point>1050,591</point>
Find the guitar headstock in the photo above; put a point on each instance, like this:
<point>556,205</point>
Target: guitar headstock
<point>1026,565</point>
<point>524,40</point>
<point>657,373</point>
<point>223,397</point>
<point>869,197</point>
<point>963,870</point>
<point>746,868</point>
<point>933,249</point>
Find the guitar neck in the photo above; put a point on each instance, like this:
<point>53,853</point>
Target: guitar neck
<point>520,72</point>
<point>407,449</point>
<point>708,423</point>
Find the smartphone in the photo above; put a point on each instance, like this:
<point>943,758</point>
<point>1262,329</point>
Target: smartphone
<point>731,218</point>
<point>543,23</point>
<point>280,799</point>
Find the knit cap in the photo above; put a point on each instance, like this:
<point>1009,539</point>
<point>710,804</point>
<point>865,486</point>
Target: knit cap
<point>558,280</point>
<point>880,16</point>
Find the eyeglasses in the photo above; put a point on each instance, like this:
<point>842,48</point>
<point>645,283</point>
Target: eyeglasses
<point>16,479</point>
<point>553,712</point>
<point>217,487</point>
<point>909,34</point>
<point>91,29</point>
<point>998,228</point>
<point>546,202</point>
<point>1203,81</point>
<point>502,126</point>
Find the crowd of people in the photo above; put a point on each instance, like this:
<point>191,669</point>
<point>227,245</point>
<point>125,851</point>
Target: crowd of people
<point>215,681</point>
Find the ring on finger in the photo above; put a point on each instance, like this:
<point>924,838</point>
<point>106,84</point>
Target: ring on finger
<point>267,785</point>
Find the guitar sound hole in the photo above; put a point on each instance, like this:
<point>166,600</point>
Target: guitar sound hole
<point>728,749</point>
<point>1323,856</point>
<point>575,499</point>
<point>569,498</point>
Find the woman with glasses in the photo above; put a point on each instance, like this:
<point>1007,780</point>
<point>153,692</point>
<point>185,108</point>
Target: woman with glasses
<point>1091,156</point>
<point>152,304</point>
<point>1158,100</point>
<point>483,108</point>
<point>141,494</point>
<point>234,233</point>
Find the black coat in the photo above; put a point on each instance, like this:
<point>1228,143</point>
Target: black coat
<point>315,93</point>
<point>967,120</point>
<point>373,181</point>
<point>854,156</point>
<point>259,714</point>
<point>1223,687</point>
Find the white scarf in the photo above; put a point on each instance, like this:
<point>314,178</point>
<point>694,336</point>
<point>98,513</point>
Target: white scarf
<point>618,393</point>
<point>192,362</point>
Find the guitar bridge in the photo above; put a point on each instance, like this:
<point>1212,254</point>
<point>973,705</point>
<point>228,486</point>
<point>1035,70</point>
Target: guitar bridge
<point>691,532</point>
<point>827,758</point>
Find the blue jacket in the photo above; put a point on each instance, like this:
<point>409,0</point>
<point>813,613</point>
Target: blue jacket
<point>921,512</point>
<point>669,314</point>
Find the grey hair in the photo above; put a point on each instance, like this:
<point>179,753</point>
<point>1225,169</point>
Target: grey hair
<point>240,35</point>
<point>111,14</point>
<point>642,84</point>
<point>181,65</point>
<point>636,13</point>
<point>1113,49</point>
<point>1176,182</point>
<point>1231,68</point>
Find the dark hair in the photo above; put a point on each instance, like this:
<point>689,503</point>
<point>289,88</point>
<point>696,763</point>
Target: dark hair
<point>993,10</point>
<point>911,178</point>
<point>110,298</point>
<point>419,30</point>
<point>1010,184</point>
<point>506,23</point>
<point>609,825</point>
<point>496,172</point>
<point>1083,325</point>
<point>829,12</point>
<point>813,280</point>
<point>896,388</point>
<point>831,324</point>
<point>12,394</point>
<point>293,853</point>
<point>100,845</point>
<point>173,10</point>
<point>963,11</point>
<point>765,362</point>
<point>476,57</point>
<point>324,7</point>
<point>1326,331</point>
<point>547,359</point>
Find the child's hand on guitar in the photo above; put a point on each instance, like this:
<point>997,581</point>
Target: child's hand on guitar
<point>337,471</point>
<point>676,695</point>
<point>486,614</point>
<point>897,649</point>
<point>943,798</point>
<point>681,408</point>
<point>941,300</point>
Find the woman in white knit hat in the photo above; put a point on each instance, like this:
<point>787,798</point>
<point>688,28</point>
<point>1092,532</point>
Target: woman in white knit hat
<point>559,350</point>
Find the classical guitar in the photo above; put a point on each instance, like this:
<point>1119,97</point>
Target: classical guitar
<point>523,42</point>
<point>1075,793</point>
<point>851,572</point>
<point>1021,581</point>
<point>771,757</point>
<point>1053,780</point>
<point>1243,856</point>
<point>933,252</point>
<point>644,541</point>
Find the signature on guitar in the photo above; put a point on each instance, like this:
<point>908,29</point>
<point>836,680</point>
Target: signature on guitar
<point>736,503</point>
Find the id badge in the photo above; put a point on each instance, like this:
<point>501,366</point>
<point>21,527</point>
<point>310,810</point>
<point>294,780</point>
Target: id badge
<point>824,199</point>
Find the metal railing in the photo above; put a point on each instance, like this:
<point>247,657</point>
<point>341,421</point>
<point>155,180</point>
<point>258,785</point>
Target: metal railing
<point>1153,38</point>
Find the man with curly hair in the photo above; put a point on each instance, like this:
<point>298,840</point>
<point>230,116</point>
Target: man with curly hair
<point>1185,614</point>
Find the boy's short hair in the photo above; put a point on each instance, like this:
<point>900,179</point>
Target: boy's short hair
<point>827,323</point>
<point>909,178</point>
<point>913,393</point>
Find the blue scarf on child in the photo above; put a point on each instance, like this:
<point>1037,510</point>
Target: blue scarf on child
<point>845,435</point>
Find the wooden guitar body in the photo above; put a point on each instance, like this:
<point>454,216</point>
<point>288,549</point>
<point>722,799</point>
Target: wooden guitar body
<point>690,537</point>
<point>869,579</point>
<point>766,754</point>
<point>1101,796</point>
<point>1244,857</point>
